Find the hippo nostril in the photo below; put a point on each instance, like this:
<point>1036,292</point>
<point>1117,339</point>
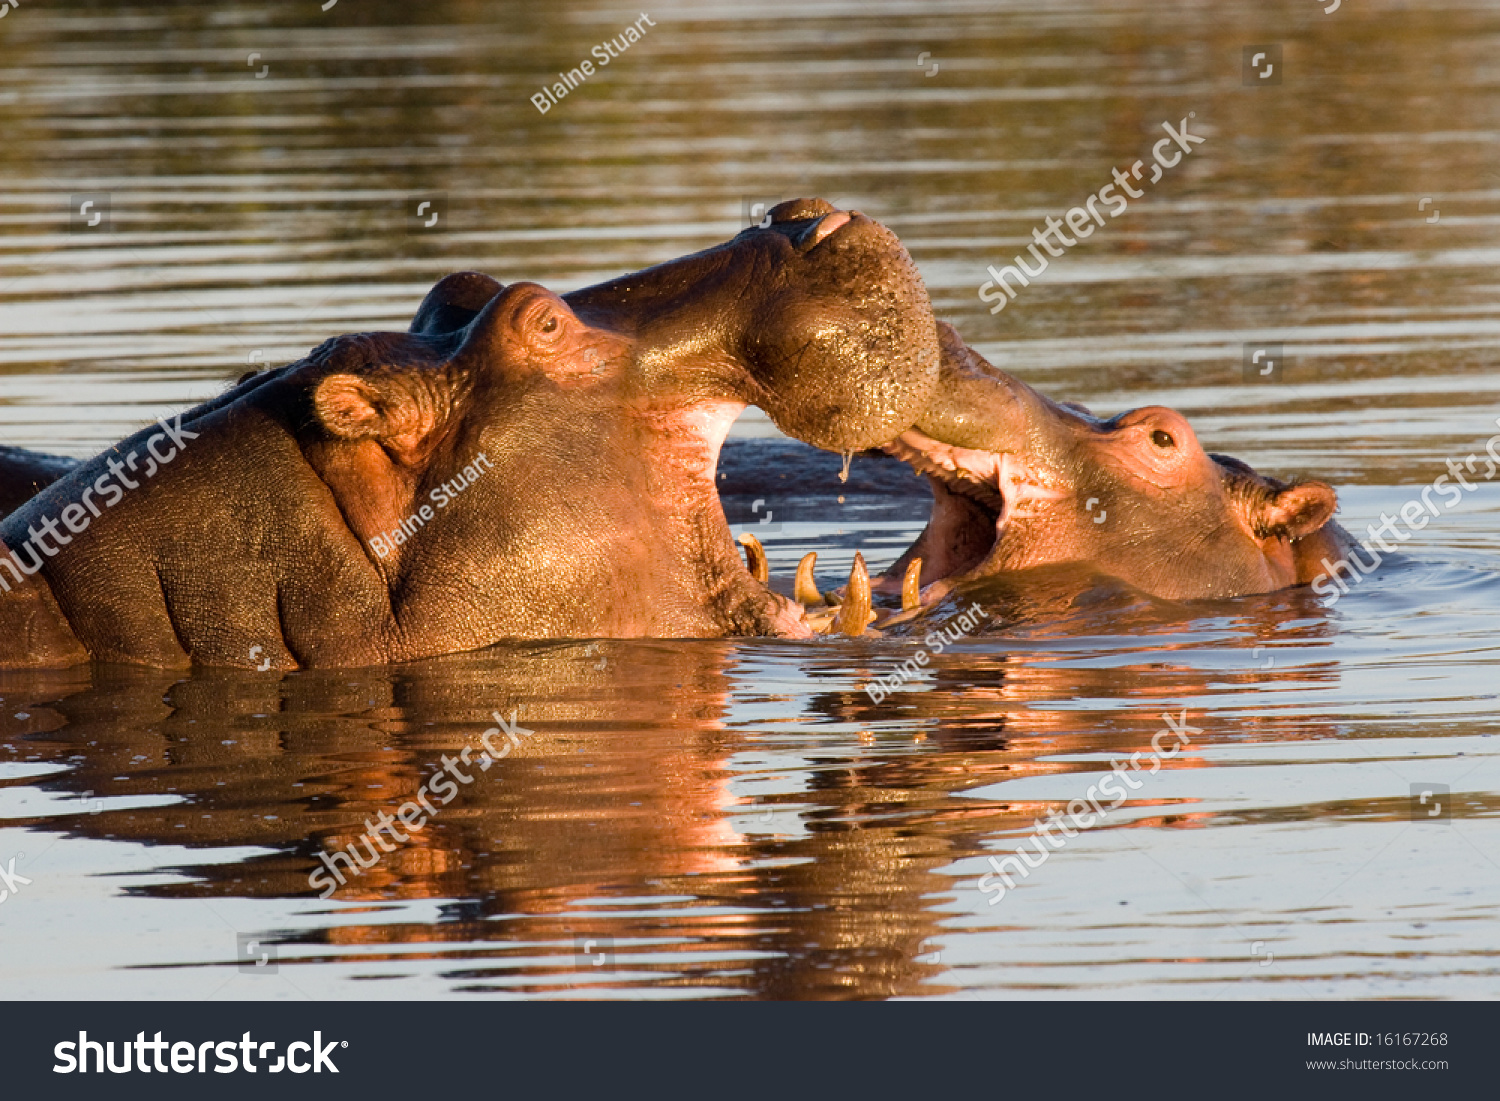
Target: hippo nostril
<point>827,226</point>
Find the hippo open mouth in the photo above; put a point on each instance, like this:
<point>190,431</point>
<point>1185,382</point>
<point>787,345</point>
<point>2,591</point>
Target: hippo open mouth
<point>976,494</point>
<point>1020,481</point>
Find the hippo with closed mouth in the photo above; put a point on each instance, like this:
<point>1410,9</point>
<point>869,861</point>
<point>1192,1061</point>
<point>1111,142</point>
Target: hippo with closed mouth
<point>517,465</point>
<point>1020,481</point>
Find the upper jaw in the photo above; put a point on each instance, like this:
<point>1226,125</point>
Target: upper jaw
<point>1004,480</point>
<point>992,439</point>
<point>820,319</point>
<point>1004,485</point>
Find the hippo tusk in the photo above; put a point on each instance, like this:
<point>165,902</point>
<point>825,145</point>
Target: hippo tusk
<point>806,590</point>
<point>755,558</point>
<point>855,615</point>
<point>911,586</point>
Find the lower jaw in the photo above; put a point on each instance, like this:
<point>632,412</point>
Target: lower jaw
<point>960,537</point>
<point>708,576</point>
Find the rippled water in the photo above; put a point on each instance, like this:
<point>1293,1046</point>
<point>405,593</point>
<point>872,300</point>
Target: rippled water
<point>740,818</point>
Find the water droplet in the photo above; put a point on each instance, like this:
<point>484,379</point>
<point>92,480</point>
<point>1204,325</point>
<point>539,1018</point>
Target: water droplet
<point>848,458</point>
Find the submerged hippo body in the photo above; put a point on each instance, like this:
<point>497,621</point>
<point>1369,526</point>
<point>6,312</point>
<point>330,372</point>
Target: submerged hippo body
<point>518,465</point>
<point>1032,483</point>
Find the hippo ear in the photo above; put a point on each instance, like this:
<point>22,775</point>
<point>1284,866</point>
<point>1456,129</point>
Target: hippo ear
<point>1297,510</point>
<point>352,407</point>
<point>454,302</point>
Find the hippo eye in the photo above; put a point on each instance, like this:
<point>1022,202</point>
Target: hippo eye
<point>1162,439</point>
<point>550,325</point>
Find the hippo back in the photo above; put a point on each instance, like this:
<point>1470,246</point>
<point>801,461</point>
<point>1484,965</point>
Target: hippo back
<point>23,473</point>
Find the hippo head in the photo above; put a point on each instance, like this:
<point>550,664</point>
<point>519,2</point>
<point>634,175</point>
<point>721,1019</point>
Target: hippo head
<point>609,405</point>
<point>1020,481</point>
<point>818,316</point>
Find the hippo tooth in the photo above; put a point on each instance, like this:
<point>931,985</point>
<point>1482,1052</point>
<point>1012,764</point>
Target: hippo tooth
<point>855,614</point>
<point>755,558</point>
<point>822,620</point>
<point>805,590</point>
<point>911,585</point>
<point>979,475</point>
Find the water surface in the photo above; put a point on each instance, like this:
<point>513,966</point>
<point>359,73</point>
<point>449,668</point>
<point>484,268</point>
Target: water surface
<point>740,818</point>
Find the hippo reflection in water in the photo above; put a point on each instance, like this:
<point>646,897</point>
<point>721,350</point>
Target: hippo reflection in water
<point>585,430</point>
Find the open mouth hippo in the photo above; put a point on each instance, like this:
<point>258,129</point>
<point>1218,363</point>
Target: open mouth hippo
<point>517,465</point>
<point>1020,481</point>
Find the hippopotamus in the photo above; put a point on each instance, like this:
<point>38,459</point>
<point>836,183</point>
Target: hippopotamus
<point>23,473</point>
<point>1020,481</point>
<point>518,464</point>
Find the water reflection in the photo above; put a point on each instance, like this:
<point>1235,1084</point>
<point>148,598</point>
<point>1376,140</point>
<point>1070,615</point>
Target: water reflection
<point>709,832</point>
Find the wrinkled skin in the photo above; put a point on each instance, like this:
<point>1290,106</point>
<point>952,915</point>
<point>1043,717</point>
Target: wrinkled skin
<point>1021,482</point>
<point>593,513</point>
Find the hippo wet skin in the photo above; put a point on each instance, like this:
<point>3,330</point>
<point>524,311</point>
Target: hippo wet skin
<point>517,465</point>
<point>1021,482</point>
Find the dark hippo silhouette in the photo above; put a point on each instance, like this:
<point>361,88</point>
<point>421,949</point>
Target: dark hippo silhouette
<point>1020,481</point>
<point>518,464</point>
<point>23,473</point>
